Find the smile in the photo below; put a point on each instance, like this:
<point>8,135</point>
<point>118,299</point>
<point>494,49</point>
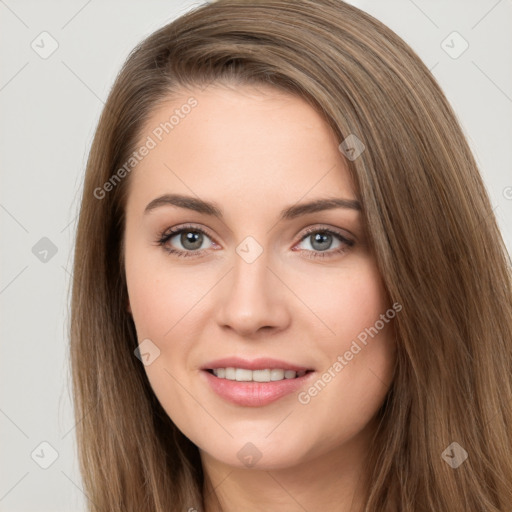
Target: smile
<point>274,384</point>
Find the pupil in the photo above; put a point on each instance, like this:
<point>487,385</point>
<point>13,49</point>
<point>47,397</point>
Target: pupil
<point>319,238</point>
<point>191,237</point>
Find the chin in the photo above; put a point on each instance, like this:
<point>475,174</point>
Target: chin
<point>257,454</point>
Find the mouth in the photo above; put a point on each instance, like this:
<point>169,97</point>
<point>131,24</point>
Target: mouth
<point>255,383</point>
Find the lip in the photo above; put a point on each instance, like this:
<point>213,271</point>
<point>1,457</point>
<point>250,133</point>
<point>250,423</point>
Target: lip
<point>254,394</point>
<point>260,363</point>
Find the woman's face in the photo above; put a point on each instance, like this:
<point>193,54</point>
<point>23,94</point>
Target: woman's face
<point>245,280</point>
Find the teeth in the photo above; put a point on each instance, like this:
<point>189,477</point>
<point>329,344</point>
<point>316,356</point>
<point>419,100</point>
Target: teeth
<point>277,374</point>
<point>242,375</point>
<point>267,375</point>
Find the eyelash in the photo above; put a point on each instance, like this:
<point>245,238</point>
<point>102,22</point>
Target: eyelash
<point>166,235</point>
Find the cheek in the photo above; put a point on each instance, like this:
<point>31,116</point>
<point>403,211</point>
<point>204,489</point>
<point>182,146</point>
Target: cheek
<point>159,295</point>
<point>166,302</point>
<point>149,307</point>
<point>344,302</point>
<point>360,349</point>
<point>159,300</point>
<point>368,342</point>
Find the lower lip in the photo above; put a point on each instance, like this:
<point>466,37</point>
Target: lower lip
<point>255,394</point>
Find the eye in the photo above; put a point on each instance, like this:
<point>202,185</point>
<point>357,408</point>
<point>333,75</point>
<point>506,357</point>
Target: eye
<point>191,239</point>
<point>321,240</point>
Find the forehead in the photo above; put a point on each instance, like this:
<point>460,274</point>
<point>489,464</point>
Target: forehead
<point>240,143</point>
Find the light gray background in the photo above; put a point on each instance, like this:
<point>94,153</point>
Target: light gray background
<point>50,108</point>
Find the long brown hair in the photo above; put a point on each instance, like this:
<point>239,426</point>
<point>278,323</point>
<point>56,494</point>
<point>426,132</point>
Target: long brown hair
<point>430,225</point>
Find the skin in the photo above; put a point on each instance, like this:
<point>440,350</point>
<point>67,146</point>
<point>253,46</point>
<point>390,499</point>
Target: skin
<point>255,151</point>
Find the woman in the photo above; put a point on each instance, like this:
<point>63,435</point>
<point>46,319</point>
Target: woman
<point>338,335</point>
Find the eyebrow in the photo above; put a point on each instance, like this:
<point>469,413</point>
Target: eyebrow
<point>290,212</point>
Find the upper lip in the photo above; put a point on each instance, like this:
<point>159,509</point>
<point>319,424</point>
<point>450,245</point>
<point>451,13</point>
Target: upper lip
<point>260,363</point>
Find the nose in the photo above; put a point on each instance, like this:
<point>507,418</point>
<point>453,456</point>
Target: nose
<point>253,298</point>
